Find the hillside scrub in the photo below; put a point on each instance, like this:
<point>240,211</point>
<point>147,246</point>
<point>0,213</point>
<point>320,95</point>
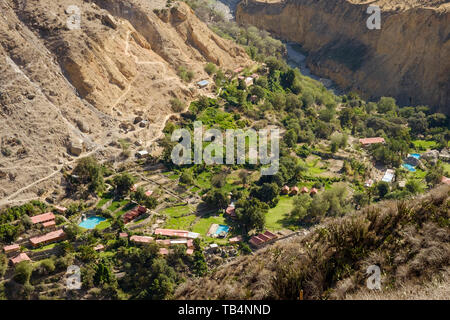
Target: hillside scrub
<point>409,241</point>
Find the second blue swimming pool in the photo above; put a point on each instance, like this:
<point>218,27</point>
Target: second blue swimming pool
<point>91,222</point>
<point>222,228</point>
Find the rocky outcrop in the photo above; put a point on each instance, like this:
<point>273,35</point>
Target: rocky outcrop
<point>408,58</point>
<point>60,84</point>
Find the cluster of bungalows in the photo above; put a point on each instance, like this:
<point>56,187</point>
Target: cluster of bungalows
<point>262,239</point>
<point>366,142</point>
<point>46,219</point>
<point>185,238</point>
<point>294,190</point>
<point>11,251</point>
<point>176,233</point>
<point>47,238</point>
<point>133,214</point>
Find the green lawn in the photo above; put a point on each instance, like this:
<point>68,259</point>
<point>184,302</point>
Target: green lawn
<point>103,225</point>
<point>275,215</point>
<point>446,167</point>
<point>182,223</point>
<point>126,208</point>
<point>202,226</point>
<point>203,180</point>
<point>103,201</point>
<point>177,211</point>
<point>117,204</point>
<point>47,247</point>
<point>423,145</point>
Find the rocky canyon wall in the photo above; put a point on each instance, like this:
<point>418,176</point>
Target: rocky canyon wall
<point>407,58</point>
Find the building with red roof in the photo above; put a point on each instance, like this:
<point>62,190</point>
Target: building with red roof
<point>313,191</point>
<point>176,233</point>
<point>369,141</point>
<point>235,239</point>
<point>43,218</point>
<point>49,224</point>
<point>294,190</point>
<point>231,211</point>
<point>285,190</point>
<point>304,190</point>
<point>163,251</point>
<point>11,248</point>
<point>48,238</point>
<point>18,259</point>
<point>445,180</point>
<point>262,239</point>
<point>141,239</point>
<point>123,235</point>
<point>133,214</point>
<point>189,251</point>
<point>60,209</point>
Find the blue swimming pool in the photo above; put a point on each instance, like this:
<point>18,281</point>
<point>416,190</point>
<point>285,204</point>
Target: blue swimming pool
<point>222,228</point>
<point>91,222</point>
<point>415,155</point>
<point>408,167</point>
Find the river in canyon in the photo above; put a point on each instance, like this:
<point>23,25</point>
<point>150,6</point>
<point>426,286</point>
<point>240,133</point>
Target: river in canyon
<point>295,58</point>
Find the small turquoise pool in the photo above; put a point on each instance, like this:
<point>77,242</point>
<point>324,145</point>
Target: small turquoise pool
<point>408,167</point>
<point>91,222</point>
<point>415,155</point>
<point>222,228</point>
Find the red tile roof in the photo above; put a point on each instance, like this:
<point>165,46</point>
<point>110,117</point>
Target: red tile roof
<point>235,239</point>
<point>43,217</point>
<point>141,239</point>
<point>48,237</point>
<point>123,235</point>
<point>445,180</point>
<point>21,257</point>
<point>367,141</point>
<point>165,242</point>
<point>262,238</point>
<point>189,251</point>
<point>176,233</point>
<point>304,190</point>
<point>60,209</point>
<point>314,191</point>
<point>163,251</point>
<point>50,223</point>
<point>11,248</point>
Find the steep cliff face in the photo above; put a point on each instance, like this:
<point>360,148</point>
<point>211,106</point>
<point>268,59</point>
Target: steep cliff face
<point>408,58</point>
<point>61,85</point>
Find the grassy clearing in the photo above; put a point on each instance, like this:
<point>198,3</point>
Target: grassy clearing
<point>275,216</point>
<point>202,226</point>
<point>126,208</point>
<point>446,168</point>
<point>117,204</point>
<point>203,180</point>
<point>182,223</point>
<point>103,225</point>
<point>423,145</point>
<point>177,211</point>
<point>103,200</point>
<point>47,247</point>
